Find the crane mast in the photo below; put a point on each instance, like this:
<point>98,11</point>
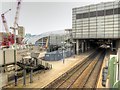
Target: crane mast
<point>17,13</point>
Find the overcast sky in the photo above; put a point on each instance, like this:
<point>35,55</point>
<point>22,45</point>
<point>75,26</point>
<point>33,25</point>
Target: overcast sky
<point>38,16</point>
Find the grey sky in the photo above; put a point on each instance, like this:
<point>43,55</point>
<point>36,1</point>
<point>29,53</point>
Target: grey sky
<point>38,17</point>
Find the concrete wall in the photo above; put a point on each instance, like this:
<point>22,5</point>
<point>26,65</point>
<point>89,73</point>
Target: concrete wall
<point>9,55</point>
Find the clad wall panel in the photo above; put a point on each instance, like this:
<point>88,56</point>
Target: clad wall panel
<point>97,20</point>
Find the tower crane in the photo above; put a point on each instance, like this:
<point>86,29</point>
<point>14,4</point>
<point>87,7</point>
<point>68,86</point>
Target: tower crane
<point>8,38</point>
<point>17,13</point>
<point>4,20</point>
<point>15,26</point>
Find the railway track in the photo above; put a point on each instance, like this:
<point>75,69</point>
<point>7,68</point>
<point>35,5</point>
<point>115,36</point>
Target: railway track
<point>83,75</point>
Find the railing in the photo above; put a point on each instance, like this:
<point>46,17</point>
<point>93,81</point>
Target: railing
<point>45,64</point>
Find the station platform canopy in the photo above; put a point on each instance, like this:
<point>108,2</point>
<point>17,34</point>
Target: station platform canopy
<point>31,39</point>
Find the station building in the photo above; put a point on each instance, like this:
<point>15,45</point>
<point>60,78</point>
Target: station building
<point>96,24</point>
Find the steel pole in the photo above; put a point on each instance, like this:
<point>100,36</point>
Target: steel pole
<point>63,56</point>
<point>31,77</point>
<point>24,76</point>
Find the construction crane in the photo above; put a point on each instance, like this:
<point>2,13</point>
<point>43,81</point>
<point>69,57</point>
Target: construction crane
<point>15,26</point>
<point>4,20</point>
<point>17,14</point>
<point>8,39</point>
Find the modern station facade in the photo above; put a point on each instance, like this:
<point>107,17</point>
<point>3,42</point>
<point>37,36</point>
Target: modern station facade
<point>96,21</point>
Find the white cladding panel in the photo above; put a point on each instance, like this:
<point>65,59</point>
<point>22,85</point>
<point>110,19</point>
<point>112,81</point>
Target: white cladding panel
<point>107,26</point>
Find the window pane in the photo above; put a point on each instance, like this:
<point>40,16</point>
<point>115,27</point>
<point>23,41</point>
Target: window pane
<point>93,14</point>
<point>100,13</point>
<point>117,11</point>
<point>85,15</point>
<point>109,12</point>
<point>78,16</point>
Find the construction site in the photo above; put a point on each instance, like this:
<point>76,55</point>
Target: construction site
<point>84,56</point>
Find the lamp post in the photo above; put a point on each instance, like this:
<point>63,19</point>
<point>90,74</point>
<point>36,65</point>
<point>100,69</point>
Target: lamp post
<point>63,50</point>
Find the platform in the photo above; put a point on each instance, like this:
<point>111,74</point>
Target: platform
<point>107,56</point>
<point>58,68</point>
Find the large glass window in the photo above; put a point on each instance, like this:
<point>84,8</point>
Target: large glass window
<point>117,11</point>
<point>93,14</point>
<point>109,12</point>
<point>85,15</point>
<point>79,16</point>
<point>100,13</point>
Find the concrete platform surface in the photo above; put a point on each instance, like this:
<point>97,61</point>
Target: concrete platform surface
<point>58,68</point>
<point>106,59</point>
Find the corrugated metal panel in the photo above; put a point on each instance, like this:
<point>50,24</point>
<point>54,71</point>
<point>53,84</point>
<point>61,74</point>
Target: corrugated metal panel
<point>58,55</point>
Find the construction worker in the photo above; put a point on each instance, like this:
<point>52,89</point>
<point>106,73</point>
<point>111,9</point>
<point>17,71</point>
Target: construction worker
<point>15,78</point>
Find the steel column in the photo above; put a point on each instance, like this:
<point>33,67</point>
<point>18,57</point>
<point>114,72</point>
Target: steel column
<point>82,47</point>
<point>77,46</point>
<point>24,77</point>
<point>31,77</point>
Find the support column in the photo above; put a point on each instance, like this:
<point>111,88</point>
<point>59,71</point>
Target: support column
<point>89,46</point>
<point>31,77</point>
<point>86,48</point>
<point>111,45</point>
<point>24,77</point>
<point>77,47</point>
<point>117,44</point>
<point>82,46</point>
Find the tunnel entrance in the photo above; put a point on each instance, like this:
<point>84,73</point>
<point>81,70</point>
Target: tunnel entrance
<point>86,44</point>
